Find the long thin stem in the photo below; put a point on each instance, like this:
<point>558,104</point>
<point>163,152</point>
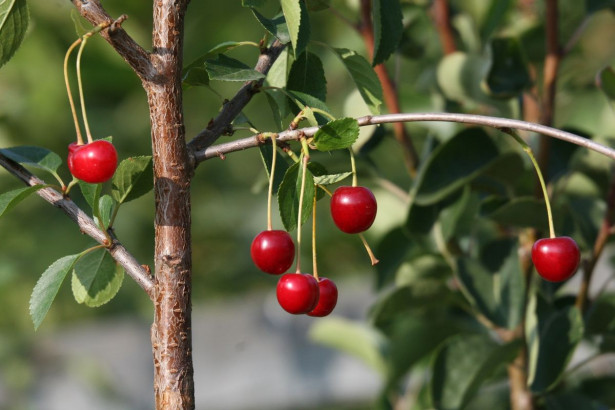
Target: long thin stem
<point>353,167</point>
<point>304,163</point>
<point>271,178</point>
<point>80,84</point>
<point>314,262</point>
<point>70,95</point>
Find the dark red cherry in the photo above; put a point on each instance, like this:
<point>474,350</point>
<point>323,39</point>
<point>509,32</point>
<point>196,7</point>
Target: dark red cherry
<point>327,299</point>
<point>297,293</point>
<point>273,251</point>
<point>94,162</point>
<point>353,208</point>
<point>556,259</point>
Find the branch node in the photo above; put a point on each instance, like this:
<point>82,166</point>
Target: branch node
<point>117,23</point>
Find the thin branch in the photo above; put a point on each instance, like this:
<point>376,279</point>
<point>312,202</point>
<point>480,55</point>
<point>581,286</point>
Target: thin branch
<point>85,223</point>
<point>136,57</point>
<point>442,19</point>
<point>482,120</point>
<point>221,124</point>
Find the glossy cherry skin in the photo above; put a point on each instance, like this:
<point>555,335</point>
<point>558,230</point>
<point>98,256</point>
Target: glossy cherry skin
<point>94,162</point>
<point>556,259</point>
<point>327,299</point>
<point>273,251</point>
<point>353,208</point>
<point>297,293</point>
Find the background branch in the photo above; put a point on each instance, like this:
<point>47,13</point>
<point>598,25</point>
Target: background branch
<point>85,223</point>
<point>482,120</point>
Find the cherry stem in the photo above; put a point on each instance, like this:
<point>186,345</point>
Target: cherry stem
<point>353,167</point>
<point>372,257</point>
<point>305,155</point>
<point>543,186</point>
<point>271,178</point>
<point>70,96</point>
<point>314,264</point>
<point>80,84</point>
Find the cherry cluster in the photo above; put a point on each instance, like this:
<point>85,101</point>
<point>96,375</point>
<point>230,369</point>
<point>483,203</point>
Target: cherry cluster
<point>353,209</point>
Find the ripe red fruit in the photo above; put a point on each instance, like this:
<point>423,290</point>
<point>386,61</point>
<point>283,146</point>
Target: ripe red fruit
<point>297,293</point>
<point>556,259</point>
<point>273,251</point>
<point>327,299</point>
<point>94,162</point>
<point>353,208</point>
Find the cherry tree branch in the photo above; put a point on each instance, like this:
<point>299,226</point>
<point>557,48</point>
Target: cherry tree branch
<point>85,224</point>
<point>136,57</point>
<point>221,150</point>
<point>221,124</point>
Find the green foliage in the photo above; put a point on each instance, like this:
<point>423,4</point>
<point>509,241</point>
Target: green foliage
<point>132,179</point>
<point>96,278</point>
<point>289,195</point>
<point>14,18</point>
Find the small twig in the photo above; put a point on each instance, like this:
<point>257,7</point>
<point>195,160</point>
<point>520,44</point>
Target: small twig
<point>85,223</point>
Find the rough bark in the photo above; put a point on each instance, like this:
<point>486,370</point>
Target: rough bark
<point>171,331</point>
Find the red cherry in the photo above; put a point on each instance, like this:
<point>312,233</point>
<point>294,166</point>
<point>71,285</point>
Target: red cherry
<point>556,259</point>
<point>94,162</point>
<point>353,208</point>
<point>273,251</point>
<point>297,293</point>
<point>327,299</point>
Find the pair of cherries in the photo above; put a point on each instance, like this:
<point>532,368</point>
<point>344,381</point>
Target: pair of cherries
<point>94,162</point>
<point>353,210</point>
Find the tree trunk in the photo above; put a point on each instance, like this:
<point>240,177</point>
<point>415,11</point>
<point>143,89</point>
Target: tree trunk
<point>171,330</point>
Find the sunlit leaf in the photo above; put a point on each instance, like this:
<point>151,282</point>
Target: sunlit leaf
<point>289,194</point>
<point>132,179</point>
<point>36,157</point>
<point>364,77</point>
<point>337,134</point>
<point>276,26</point>
<point>96,278</point>
<point>297,19</point>
<point>14,18</point>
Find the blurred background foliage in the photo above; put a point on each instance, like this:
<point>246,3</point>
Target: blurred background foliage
<point>229,196</point>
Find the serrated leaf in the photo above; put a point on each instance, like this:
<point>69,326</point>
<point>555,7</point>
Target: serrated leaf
<point>106,204</point>
<point>354,338</point>
<point>298,22</point>
<point>453,164</point>
<point>494,285</point>
<point>307,75</point>
<point>133,178</point>
<point>508,73</point>
<point>337,134</point>
<point>36,157</point>
<point>9,200</point>
<point>331,178</point>
<point>288,197</point>
<point>96,278</point>
<point>47,287</point>
<point>91,193</point>
<point>463,365</point>
<point>276,26</point>
<point>225,68</point>
<point>303,100</point>
<point>364,77</point>
<point>14,18</point>
<point>552,336</point>
<point>388,28</point>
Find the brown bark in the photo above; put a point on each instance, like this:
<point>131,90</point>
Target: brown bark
<point>171,331</point>
<point>441,16</point>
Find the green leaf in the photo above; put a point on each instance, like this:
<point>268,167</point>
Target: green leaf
<point>297,19</point>
<point>573,401</point>
<point>388,28</point>
<point>352,337</point>
<point>254,3</point>
<point>288,197</point>
<point>552,336</point>
<point>276,26</point>
<point>459,218</point>
<point>606,81</point>
<point>195,73</point>
<point>91,193</point>
<point>392,251</point>
<point>9,200</point>
<point>495,285</point>
<point>601,316</point>
<point>106,204</point>
<point>508,73</point>
<point>307,75</point>
<point>463,365</point>
<point>47,287</point>
<point>133,178</point>
<point>331,178</point>
<point>36,157</point>
<point>281,166</point>
<point>303,100</point>
<point>453,164</point>
<point>337,134</point>
<point>364,77</point>
<point>522,212</point>
<point>14,18</point>
<point>225,68</point>
<point>96,278</point>
<point>318,5</point>
<point>195,77</point>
